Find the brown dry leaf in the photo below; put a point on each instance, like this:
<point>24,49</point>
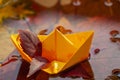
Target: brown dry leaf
<point>63,30</point>
<point>22,12</point>
<point>43,32</point>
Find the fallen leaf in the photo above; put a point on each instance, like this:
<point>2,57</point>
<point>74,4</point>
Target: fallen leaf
<point>43,32</point>
<point>30,43</point>
<point>63,30</point>
<point>22,12</point>
<point>114,32</point>
<point>32,46</point>
<point>6,12</point>
<point>96,51</point>
<point>18,12</point>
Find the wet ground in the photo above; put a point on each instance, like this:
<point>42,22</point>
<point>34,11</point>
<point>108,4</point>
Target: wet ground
<point>102,63</point>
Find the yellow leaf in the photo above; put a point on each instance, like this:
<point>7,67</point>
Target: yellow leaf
<point>0,2</point>
<point>14,12</point>
<point>22,12</point>
<point>6,12</point>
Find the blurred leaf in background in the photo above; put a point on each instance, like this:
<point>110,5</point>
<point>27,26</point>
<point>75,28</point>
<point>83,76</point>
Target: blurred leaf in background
<point>15,9</point>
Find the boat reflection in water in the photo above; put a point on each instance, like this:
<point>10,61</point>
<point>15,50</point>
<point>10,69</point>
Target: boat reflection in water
<point>18,70</point>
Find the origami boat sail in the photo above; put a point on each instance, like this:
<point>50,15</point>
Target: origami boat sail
<point>63,51</point>
<point>83,42</point>
<point>57,47</point>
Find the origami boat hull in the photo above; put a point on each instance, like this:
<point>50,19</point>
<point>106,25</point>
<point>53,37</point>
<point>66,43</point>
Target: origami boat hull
<point>63,51</point>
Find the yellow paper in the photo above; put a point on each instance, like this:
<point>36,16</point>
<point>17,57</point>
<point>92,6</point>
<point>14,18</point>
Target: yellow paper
<point>63,51</point>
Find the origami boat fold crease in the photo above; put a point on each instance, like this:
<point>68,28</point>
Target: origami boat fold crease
<point>62,50</point>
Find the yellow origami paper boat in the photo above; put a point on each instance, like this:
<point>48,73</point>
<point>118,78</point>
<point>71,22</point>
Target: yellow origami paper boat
<point>62,50</point>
